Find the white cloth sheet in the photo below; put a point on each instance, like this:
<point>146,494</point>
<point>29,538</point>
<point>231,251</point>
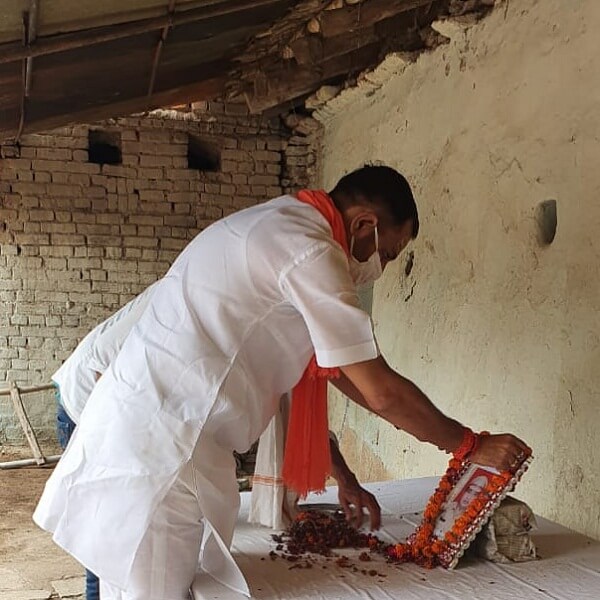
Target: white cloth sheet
<point>569,568</point>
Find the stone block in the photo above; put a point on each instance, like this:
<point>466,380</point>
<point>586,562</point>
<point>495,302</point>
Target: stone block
<point>26,594</point>
<point>150,173</point>
<point>183,196</point>
<point>274,191</point>
<point>118,171</point>
<point>140,242</point>
<point>144,231</point>
<point>267,156</point>
<point>154,135</point>
<point>151,195</point>
<point>258,190</point>
<point>30,188</point>
<point>39,215</point>
<point>103,240</point>
<point>37,239</point>
<point>160,208</point>
<point>174,174</point>
<point>234,155</point>
<point>146,219</point>
<point>128,230</point>
<point>227,189</point>
<point>59,239</point>
<point>248,144</point>
<point>149,160</point>
<point>180,221</point>
<point>172,244</point>
<point>71,587</point>
<point>263,180</point>
<point>130,160</point>
<point>15,164</point>
<point>54,153</point>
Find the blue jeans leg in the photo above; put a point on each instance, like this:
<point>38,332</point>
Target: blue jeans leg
<point>64,425</point>
<point>92,586</point>
<point>65,428</point>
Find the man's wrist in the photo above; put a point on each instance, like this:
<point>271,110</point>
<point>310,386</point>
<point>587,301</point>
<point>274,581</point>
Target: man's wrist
<point>345,478</point>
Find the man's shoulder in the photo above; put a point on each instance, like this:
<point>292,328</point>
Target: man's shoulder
<point>290,223</point>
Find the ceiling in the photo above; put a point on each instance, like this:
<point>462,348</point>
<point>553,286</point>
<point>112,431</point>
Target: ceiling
<point>68,61</point>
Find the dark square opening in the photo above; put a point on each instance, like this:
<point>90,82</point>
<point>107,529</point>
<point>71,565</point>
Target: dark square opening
<point>203,155</point>
<point>104,147</point>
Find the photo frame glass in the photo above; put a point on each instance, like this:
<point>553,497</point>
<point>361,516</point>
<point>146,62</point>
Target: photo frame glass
<point>473,484</point>
<point>470,485</point>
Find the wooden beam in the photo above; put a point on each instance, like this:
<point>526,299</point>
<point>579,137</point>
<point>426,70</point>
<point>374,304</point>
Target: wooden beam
<point>70,41</point>
<point>289,83</point>
<point>314,49</point>
<point>291,104</point>
<point>347,20</point>
<point>203,90</point>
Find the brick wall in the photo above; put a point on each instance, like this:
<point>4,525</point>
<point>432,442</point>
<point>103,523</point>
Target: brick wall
<point>79,239</point>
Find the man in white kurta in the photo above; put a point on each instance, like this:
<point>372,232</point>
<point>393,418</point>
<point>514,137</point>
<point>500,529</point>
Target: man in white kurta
<point>229,330</point>
<point>77,376</point>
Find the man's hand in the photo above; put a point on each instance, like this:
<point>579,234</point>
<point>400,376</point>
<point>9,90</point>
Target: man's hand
<point>503,451</point>
<point>354,500</point>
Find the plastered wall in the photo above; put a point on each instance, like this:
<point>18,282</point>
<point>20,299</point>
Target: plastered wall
<point>501,332</point>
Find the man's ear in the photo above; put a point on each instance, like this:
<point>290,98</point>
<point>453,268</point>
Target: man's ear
<point>363,223</point>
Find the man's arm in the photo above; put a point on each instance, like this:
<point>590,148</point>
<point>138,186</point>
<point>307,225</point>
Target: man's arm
<point>377,387</point>
<point>353,498</point>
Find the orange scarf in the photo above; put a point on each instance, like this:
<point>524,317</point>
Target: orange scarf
<point>307,459</point>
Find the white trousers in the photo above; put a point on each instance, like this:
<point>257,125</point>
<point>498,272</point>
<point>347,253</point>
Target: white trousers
<point>167,559</point>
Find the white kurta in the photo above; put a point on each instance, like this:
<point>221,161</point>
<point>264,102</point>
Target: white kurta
<point>76,377</point>
<point>230,328</point>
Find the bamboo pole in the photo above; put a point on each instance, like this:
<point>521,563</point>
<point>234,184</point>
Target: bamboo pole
<point>24,73</point>
<point>28,462</point>
<point>159,46</point>
<point>15,396</point>
<point>28,390</point>
<point>31,37</point>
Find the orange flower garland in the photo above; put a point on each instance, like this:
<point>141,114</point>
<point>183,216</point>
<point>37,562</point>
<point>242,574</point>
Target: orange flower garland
<point>423,547</point>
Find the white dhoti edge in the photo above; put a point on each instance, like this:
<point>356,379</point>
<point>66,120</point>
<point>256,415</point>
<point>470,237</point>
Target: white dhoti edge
<point>167,558</point>
<point>272,504</point>
<point>178,543</point>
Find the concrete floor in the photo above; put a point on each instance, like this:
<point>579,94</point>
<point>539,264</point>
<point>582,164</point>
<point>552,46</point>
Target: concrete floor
<point>32,567</point>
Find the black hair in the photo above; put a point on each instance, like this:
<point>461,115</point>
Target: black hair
<point>383,187</point>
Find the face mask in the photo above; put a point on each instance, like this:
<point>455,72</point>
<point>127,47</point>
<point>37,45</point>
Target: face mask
<point>363,273</point>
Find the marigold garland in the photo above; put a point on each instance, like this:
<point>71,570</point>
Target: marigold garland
<point>423,547</point>
<point>317,532</point>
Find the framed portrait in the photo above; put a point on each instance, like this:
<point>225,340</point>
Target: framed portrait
<point>465,499</point>
<point>476,493</point>
<point>470,486</point>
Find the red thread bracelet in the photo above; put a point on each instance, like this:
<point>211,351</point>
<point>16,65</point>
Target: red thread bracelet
<point>467,446</point>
